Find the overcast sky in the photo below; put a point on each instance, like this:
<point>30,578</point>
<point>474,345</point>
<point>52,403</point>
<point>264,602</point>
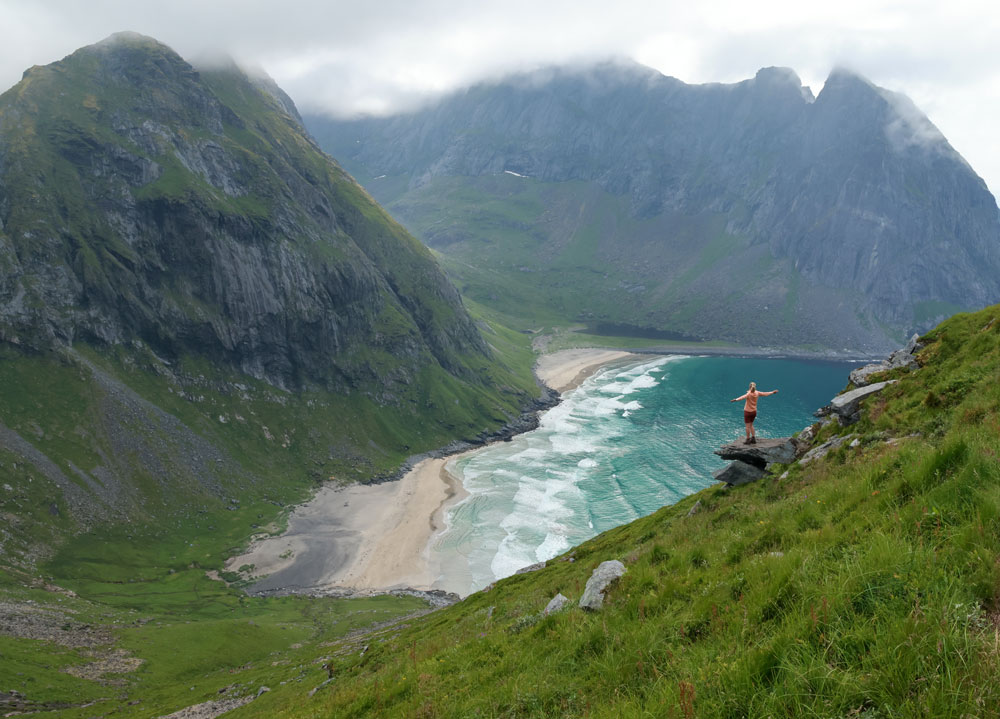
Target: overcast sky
<point>379,55</point>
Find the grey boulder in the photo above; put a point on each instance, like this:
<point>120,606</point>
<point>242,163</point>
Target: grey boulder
<point>557,603</point>
<point>847,406</point>
<point>603,576</point>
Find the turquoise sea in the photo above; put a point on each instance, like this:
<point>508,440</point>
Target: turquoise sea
<point>629,440</point>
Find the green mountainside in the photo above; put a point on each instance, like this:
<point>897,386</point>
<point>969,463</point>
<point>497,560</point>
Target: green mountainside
<point>144,199</point>
<point>864,583</point>
<point>202,318</point>
<point>751,212</point>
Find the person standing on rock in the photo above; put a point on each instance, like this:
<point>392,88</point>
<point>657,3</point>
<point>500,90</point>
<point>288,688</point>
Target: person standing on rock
<point>750,410</point>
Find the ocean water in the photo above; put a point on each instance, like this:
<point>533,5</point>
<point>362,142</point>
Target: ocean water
<point>629,440</point>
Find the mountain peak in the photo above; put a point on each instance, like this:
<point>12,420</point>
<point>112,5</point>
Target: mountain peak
<point>844,79</point>
<point>775,74</point>
<point>130,39</point>
<point>780,78</point>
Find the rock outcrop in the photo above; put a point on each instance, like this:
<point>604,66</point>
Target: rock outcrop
<point>738,472</point>
<point>600,580</point>
<point>749,461</point>
<point>824,449</point>
<point>904,357</point>
<point>781,450</point>
<point>847,406</point>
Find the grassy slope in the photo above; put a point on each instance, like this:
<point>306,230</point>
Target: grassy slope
<point>194,632</point>
<point>865,584</point>
<point>154,566</point>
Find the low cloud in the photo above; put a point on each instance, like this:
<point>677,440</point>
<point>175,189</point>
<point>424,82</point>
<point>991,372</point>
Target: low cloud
<point>386,55</point>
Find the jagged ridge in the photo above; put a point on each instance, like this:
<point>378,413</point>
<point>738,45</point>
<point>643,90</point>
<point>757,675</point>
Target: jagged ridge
<point>751,212</point>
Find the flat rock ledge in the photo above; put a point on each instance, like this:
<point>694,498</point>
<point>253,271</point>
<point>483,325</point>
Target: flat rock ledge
<point>781,450</point>
<point>847,406</point>
<point>749,461</point>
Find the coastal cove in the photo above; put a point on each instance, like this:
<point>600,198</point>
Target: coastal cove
<point>636,433</point>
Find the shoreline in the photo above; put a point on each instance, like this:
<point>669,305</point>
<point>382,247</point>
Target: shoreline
<point>566,370</point>
<point>694,350</point>
<point>375,538</point>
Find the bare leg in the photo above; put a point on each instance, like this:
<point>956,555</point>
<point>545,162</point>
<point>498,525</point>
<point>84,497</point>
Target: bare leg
<point>749,427</point>
<point>753,434</point>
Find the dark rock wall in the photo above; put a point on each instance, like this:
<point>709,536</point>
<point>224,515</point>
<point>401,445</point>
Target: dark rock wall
<point>854,188</point>
<point>140,197</point>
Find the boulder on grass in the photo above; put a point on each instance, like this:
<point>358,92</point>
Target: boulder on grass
<point>603,576</point>
<point>847,406</point>
<point>557,603</point>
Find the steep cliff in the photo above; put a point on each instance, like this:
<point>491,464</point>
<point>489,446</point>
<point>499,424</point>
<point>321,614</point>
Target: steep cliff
<point>754,211</point>
<point>200,310</point>
<point>141,198</point>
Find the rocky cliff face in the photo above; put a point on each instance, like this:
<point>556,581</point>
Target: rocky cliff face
<point>858,211</point>
<point>141,198</point>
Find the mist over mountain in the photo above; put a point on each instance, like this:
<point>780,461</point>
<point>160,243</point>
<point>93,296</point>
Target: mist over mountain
<point>752,212</point>
<point>143,199</point>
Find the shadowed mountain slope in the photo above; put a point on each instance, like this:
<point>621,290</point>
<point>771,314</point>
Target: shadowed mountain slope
<point>751,212</point>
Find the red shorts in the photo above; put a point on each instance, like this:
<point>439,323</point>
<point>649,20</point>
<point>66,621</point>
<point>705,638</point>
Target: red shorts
<point>749,417</point>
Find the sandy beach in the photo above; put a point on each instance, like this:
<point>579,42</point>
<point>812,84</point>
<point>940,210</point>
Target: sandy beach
<point>566,369</point>
<point>361,537</point>
<point>377,537</point>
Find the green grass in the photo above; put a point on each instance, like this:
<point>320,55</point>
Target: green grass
<point>218,642</point>
<point>865,584</point>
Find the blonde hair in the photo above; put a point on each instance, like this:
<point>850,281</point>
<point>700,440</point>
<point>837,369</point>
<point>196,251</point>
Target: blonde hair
<point>753,387</point>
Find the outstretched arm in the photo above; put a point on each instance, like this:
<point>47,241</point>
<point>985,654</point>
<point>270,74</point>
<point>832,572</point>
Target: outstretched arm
<point>773,391</point>
<point>737,399</point>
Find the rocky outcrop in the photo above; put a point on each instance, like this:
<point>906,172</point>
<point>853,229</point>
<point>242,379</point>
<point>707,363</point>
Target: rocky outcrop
<point>738,472</point>
<point>749,461</point>
<point>537,566</point>
<point>847,406</point>
<point>904,357</point>
<point>780,450</point>
<point>597,585</point>
<point>824,449</point>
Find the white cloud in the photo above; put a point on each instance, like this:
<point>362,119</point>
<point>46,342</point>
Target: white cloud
<point>377,56</point>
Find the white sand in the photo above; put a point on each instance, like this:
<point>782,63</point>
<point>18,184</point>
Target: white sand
<point>566,369</point>
<point>377,537</point>
<point>362,537</point>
